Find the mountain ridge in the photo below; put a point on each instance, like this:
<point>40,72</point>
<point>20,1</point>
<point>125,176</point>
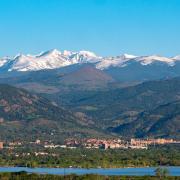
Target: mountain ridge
<point>54,59</point>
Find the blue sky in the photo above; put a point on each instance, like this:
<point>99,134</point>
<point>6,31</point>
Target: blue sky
<point>107,27</point>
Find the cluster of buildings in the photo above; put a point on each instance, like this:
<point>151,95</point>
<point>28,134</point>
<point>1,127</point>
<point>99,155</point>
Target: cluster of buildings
<point>94,143</point>
<point>146,142</point>
<point>116,143</point>
<point>97,143</point>
<point>104,144</point>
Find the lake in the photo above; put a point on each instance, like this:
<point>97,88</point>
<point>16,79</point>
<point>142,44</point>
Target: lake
<point>174,171</point>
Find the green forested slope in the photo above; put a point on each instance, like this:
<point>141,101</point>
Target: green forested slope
<point>27,116</point>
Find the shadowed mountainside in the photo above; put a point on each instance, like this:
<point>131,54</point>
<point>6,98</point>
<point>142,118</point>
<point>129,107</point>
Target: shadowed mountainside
<point>28,116</point>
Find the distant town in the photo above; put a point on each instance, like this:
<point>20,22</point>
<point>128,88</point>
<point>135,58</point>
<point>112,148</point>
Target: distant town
<point>94,143</point>
<point>90,153</point>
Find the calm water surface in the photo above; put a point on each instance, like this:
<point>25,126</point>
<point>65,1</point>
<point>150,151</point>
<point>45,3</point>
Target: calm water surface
<point>174,171</point>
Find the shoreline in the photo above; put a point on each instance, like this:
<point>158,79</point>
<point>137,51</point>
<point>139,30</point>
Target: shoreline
<point>148,171</point>
<point>75,167</point>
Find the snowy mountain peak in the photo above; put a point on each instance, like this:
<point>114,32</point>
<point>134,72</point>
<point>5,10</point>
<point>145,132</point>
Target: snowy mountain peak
<point>128,56</point>
<point>47,60</point>
<point>157,57</point>
<point>145,60</point>
<point>67,53</point>
<point>118,61</point>
<point>176,57</point>
<point>87,54</point>
<point>17,56</point>
<point>53,59</point>
<point>53,52</point>
<point>84,57</point>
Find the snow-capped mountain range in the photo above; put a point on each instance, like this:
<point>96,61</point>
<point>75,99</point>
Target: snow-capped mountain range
<point>54,59</point>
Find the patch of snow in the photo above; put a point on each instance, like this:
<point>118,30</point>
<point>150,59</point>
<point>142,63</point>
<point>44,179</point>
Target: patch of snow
<point>176,58</point>
<point>146,60</point>
<point>118,61</point>
<point>3,61</point>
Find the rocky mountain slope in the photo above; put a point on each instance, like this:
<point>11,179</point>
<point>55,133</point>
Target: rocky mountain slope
<point>163,121</point>
<point>27,116</point>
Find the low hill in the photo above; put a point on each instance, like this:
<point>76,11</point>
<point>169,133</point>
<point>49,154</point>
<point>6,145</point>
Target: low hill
<point>87,77</point>
<point>76,77</point>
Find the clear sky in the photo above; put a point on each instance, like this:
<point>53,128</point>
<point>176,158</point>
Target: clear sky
<point>107,27</point>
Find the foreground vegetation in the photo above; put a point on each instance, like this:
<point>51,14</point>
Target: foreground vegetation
<point>91,158</point>
<point>23,175</point>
